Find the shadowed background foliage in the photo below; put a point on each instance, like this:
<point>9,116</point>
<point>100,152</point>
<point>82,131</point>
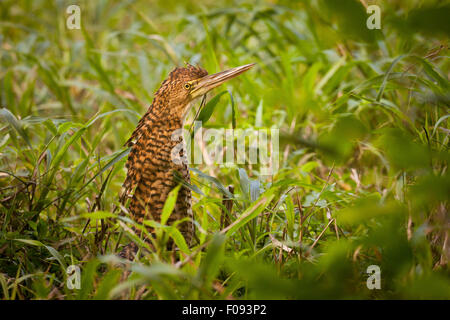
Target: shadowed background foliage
<point>363,119</point>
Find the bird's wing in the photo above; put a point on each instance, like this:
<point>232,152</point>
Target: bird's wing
<point>138,130</point>
<point>134,164</point>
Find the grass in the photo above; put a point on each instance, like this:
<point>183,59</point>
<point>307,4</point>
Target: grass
<point>363,179</point>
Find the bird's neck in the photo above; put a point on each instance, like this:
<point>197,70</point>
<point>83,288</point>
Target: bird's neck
<point>164,124</point>
<point>165,133</point>
<point>167,113</point>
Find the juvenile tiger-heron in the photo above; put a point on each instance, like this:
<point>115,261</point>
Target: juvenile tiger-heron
<point>151,170</point>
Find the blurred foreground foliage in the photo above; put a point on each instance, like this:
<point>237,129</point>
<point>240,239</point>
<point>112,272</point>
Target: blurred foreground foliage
<point>363,119</point>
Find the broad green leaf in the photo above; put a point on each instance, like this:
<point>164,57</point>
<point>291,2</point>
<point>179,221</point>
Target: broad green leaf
<point>50,249</point>
<point>169,205</point>
<point>208,109</point>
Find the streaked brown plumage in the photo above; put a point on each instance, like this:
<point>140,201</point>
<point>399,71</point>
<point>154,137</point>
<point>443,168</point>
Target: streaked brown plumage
<point>150,175</point>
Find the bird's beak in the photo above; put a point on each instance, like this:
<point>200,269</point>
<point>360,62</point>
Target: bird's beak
<point>211,81</point>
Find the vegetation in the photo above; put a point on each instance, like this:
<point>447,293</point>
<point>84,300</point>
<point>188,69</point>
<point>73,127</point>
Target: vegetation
<point>364,132</point>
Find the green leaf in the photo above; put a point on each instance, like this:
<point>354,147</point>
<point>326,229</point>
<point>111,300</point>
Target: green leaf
<point>14,123</point>
<point>107,284</point>
<point>50,249</point>
<point>214,181</point>
<point>212,262</point>
<point>179,240</point>
<point>244,182</point>
<point>290,216</point>
<point>252,212</point>
<point>386,76</point>
<point>98,215</point>
<point>169,205</point>
<point>88,276</point>
<point>208,109</point>
<point>233,111</point>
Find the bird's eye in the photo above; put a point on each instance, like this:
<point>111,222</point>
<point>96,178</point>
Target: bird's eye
<point>187,86</point>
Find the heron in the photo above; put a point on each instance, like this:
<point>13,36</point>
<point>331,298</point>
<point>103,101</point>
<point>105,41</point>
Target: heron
<point>151,171</point>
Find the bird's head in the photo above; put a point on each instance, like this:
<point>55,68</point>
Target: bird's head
<point>187,84</point>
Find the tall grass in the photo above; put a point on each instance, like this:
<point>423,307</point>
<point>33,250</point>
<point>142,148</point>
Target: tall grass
<point>363,176</point>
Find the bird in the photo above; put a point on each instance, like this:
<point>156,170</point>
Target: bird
<point>151,171</point>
